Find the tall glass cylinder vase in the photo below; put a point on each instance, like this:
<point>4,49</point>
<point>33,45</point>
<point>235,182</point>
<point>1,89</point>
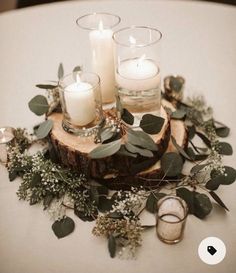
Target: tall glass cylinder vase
<point>100,57</point>
<point>137,69</point>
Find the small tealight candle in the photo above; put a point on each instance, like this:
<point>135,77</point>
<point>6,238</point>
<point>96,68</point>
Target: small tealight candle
<point>80,102</point>
<point>6,136</point>
<point>138,74</point>
<point>171,218</point>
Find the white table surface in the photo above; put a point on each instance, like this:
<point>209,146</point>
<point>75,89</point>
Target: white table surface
<point>199,43</point>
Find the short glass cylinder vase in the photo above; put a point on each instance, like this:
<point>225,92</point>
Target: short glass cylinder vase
<point>7,136</point>
<point>81,102</point>
<point>137,69</point>
<point>100,57</point>
<point>171,218</point>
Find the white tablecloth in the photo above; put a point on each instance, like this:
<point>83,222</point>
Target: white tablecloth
<point>199,42</point>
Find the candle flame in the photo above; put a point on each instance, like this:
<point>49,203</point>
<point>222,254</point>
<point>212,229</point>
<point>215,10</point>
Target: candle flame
<point>132,40</point>
<point>141,59</point>
<point>100,26</point>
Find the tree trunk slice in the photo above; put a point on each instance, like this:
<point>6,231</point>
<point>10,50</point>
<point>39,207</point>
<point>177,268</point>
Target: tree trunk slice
<point>150,177</point>
<point>73,152</point>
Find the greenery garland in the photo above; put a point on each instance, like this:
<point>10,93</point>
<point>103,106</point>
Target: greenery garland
<point>46,181</point>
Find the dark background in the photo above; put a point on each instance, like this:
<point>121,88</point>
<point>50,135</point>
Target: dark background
<point>26,3</point>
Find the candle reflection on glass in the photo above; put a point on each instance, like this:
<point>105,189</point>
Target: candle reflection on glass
<point>6,137</point>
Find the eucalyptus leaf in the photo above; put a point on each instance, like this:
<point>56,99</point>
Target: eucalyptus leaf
<point>12,175</point>
<point>63,227</point>
<point>214,183</point>
<point>151,124</point>
<point>197,168</point>
<point>191,132</point>
<point>204,139</point>
<point>180,149</point>
<point>105,150</point>
<point>230,176</point>
<point>112,245</point>
<point>39,105</point>
<point>225,148</point>
<point>60,73</point>
<point>122,151</point>
<point>171,164</point>
<point>217,178</point>
<point>106,134</point>
<point>188,197</point>
<point>202,205</point>
<point>44,129</point>
<point>141,139</point>
<point>199,204</point>
<point>218,200</point>
<point>136,150</point>
<point>105,204</point>
<point>83,215</point>
<point>151,203</point>
<point>127,117</point>
<point>178,114</point>
<point>222,131</point>
<point>46,86</point>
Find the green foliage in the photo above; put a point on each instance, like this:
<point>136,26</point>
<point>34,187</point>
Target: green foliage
<point>112,245</point>
<point>63,227</point>
<point>153,198</point>
<point>141,139</point>
<point>44,129</point>
<point>171,164</point>
<point>105,150</point>
<point>60,73</point>
<point>127,117</point>
<point>199,204</point>
<point>39,105</point>
<point>151,124</point>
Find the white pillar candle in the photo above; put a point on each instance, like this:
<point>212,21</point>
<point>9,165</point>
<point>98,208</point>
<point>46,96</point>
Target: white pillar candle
<point>103,61</point>
<point>138,74</point>
<point>80,103</point>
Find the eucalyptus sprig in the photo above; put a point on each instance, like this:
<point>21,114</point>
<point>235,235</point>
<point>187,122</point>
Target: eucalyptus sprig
<point>120,138</point>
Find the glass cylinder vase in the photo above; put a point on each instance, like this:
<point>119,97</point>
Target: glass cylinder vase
<point>171,218</point>
<point>100,57</point>
<point>81,103</point>
<point>137,69</point>
<point>7,136</point>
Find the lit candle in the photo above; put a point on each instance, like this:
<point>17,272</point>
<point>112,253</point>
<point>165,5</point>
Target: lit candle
<point>6,136</point>
<point>138,74</point>
<point>80,102</point>
<point>103,61</point>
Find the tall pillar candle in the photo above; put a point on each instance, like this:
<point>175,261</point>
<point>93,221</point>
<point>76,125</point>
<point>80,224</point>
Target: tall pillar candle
<point>103,61</point>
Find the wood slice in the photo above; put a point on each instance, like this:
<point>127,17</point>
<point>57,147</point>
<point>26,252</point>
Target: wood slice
<point>151,176</point>
<point>73,152</point>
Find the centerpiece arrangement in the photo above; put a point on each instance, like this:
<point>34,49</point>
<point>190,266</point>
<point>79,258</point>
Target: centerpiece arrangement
<point>113,145</point>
